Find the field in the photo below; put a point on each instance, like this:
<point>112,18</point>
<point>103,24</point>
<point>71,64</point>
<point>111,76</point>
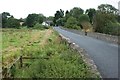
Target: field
<point>56,59</point>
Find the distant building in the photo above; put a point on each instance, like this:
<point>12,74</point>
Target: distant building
<point>47,23</point>
<point>21,23</point>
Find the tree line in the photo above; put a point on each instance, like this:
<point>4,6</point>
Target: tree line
<point>104,20</point>
<point>8,21</point>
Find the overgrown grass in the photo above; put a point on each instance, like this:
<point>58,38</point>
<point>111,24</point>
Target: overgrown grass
<point>14,41</point>
<point>57,60</point>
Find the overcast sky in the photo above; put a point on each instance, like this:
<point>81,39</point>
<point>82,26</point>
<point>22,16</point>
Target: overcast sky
<point>21,8</point>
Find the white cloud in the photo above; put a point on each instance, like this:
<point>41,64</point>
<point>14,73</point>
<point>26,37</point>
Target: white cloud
<point>21,8</point>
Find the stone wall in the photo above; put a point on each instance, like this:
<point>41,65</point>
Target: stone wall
<point>100,36</point>
<point>104,37</point>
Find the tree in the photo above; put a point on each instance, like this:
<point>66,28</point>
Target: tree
<point>60,22</point>
<point>84,22</point>
<point>8,21</point>
<point>91,12</point>
<point>102,20</point>
<point>12,23</point>
<point>32,19</point>
<point>50,18</point>
<point>5,16</point>
<point>107,8</point>
<point>83,18</point>
<point>58,15</point>
<point>72,23</point>
<point>76,12</point>
<point>41,18</point>
<point>67,15</point>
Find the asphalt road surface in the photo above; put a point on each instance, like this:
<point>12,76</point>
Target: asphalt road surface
<point>105,55</point>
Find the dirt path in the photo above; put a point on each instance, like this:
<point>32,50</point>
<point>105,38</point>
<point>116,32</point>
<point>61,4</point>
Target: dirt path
<point>47,35</point>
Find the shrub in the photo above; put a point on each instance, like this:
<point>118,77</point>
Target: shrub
<point>84,21</point>
<point>112,28</point>
<point>72,23</point>
<point>106,23</point>
<point>84,18</point>
<point>40,26</point>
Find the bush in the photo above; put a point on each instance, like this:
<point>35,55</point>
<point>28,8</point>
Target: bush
<point>84,18</point>
<point>112,29</point>
<point>62,65</point>
<point>40,26</point>
<point>12,23</point>
<point>57,60</point>
<point>106,23</point>
<point>72,23</point>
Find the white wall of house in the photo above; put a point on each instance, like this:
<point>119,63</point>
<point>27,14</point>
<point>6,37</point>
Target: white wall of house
<point>45,24</point>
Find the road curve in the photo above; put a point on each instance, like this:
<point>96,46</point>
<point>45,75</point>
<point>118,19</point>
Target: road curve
<point>105,55</point>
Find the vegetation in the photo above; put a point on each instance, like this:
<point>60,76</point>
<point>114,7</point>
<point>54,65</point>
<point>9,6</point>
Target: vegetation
<point>72,23</point>
<point>8,21</point>
<point>32,19</point>
<point>28,37</point>
<point>56,59</point>
<point>14,40</point>
<point>58,18</point>
<point>91,13</point>
<point>104,20</point>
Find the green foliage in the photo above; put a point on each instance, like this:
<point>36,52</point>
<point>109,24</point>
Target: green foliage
<point>118,18</point>
<point>56,59</point>
<point>12,23</point>
<point>60,22</point>
<point>74,18</point>
<point>32,19</point>
<point>60,62</point>
<point>91,12</point>
<point>8,21</point>
<point>106,23</point>
<point>67,15</point>
<point>76,12</point>
<point>83,21</point>
<point>107,8</point>
<point>83,18</point>
<point>40,26</point>
<point>58,16</point>
<point>72,23</point>
<point>112,29</point>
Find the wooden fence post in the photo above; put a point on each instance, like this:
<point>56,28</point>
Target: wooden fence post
<point>21,63</point>
<point>4,72</point>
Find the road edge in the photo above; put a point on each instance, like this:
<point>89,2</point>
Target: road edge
<point>100,36</point>
<point>86,58</point>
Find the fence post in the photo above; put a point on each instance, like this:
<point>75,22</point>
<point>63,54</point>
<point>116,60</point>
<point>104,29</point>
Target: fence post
<point>21,63</point>
<point>4,72</point>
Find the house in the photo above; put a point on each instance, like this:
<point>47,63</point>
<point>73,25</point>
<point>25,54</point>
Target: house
<point>21,23</point>
<point>47,23</point>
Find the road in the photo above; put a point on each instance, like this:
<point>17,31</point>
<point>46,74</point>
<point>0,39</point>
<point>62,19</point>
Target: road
<point>105,55</point>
